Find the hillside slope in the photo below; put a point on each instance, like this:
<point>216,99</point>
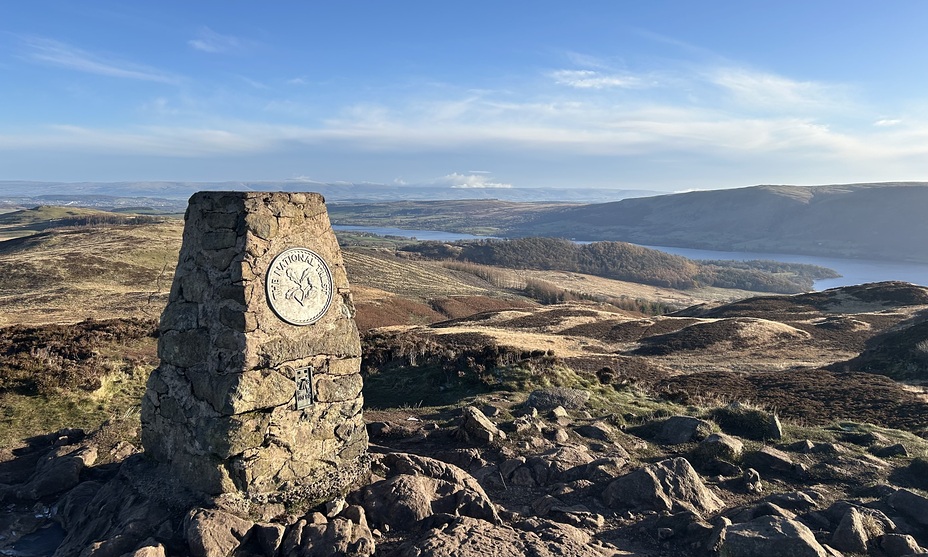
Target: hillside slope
<point>877,221</point>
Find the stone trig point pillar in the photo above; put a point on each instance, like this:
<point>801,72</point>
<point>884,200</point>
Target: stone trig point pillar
<point>258,394</point>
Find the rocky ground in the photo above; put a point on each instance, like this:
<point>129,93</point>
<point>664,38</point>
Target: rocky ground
<point>773,426</point>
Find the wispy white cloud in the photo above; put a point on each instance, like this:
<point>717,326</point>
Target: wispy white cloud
<point>57,53</point>
<point>210,41</point>
<point>586,60</point>
<point>590,79</point>
<point>297,81</point>
<point>771,91</point>
<point>185,142</point>
<point>887,122</point>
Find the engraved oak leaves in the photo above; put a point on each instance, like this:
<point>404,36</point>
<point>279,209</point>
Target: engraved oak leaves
<point>299,286</point>
<point>302,287</point>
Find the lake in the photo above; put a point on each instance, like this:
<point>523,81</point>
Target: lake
<point>853,271</point>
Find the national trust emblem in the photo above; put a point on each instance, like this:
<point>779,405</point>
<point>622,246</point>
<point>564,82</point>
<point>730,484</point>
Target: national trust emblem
<point>299,286</point>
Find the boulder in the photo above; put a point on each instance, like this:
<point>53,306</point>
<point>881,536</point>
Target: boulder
<point>768,459</point>
<point>897,545</point>
<point>793,500</point>
<point>552,397</point>
<point>750,423</point>
<point>269,537</point>
<point>752,481</point>
<point>770,536</point>
<point>418,487</point>
<point>476,426</point>
<point>565,458</point>
<point>911,505</point>
<point>668,485</point>
<point>468,537</point>
<point>154,550</point>
<point>891,451</point>
<point>751,512</point>
<point>213,533</point>
<point>719,446</point>
<point>598,430</point>
<point>855,530</point>
<point>677,430</point>
<point>346,534</point>
<point>577,515</point>
<point>58,472</point>
<point>600,471</point>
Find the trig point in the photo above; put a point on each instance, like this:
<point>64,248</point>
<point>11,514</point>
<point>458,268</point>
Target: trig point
<point>258,393</point>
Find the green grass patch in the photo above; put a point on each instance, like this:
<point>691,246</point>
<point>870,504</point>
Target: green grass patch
<point>118,398</point>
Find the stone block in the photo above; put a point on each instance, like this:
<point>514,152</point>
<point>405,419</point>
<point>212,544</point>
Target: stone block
<point>262,226</point>
<point>338,388</point>
<point>184,348</point>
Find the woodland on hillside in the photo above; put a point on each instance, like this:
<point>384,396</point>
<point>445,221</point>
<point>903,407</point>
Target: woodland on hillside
<point>623,261</point>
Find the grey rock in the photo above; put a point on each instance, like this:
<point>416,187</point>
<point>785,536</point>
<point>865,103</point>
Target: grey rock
<point>468,537</point>
<point>770,536</point>
<point>752,481</point>
<point>804,446</point>
<point>794,500</point>
<point>59,472</point>
<point>854,531</point>
<point>600,471</point>
<point>768,459</point>
<point>562,459</point>
<point>598,430</point>
<point>213,533</point>
<point>912,505</point>
<point>551,398</point>
<point>475,425</point>
<point>664,486</point>
<point>418,487</point>
<point>891,451</point>
<point>269,537</point>
<point>346,534</point>
<point>153,550</point>
<point>897,545</point>
<point>684,429</point>
<point>719,446</point>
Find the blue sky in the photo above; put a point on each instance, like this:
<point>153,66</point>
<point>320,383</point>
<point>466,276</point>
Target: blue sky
<point>664,95</point>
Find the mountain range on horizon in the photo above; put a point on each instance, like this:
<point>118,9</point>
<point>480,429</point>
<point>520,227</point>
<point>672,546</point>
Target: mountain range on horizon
<point>883,221</point>
<point>333,191</point>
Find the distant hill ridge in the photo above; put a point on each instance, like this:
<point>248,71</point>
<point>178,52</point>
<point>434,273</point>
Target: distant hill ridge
<point>878,221</point>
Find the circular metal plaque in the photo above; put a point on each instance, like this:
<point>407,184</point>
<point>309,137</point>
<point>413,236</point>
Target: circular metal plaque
<point>299,286</point>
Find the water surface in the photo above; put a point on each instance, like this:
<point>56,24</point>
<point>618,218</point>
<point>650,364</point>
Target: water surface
<point>852,271</point>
